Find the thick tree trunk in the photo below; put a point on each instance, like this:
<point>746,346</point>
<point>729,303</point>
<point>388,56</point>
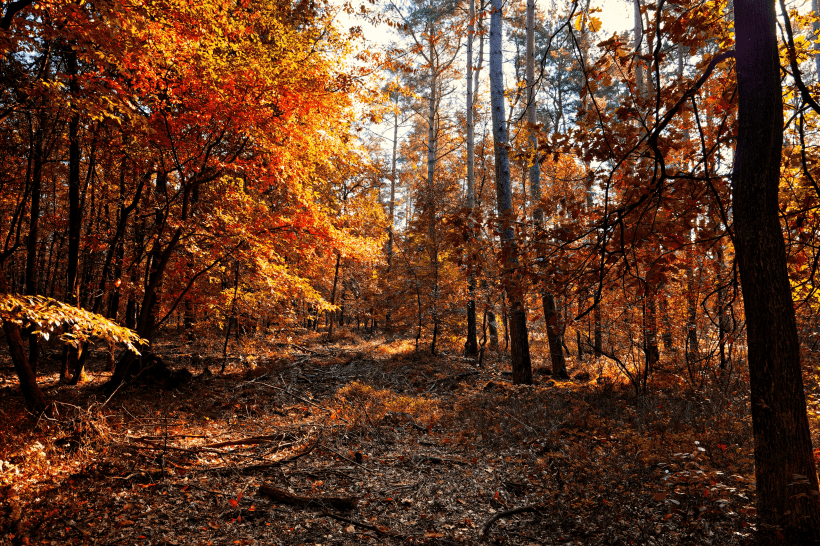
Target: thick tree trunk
<point>787,486</point>
<point>492,327</point>
<point>35,401</point>
<point>519,342</point>
<point>551,317</point>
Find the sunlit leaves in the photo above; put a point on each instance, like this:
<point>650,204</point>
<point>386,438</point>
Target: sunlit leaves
<point>47,316</point>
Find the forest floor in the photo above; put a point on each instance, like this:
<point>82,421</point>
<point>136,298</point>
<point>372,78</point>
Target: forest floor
<point>366,441</point>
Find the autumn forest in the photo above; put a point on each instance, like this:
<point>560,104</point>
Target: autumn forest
<point>436,272</point>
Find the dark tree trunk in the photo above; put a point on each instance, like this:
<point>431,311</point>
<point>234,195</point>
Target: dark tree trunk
<point>492,326</point>
<point>31,243</point>
<point>71,357</point>
<point>599,342</point>
<point>35,401</point>
<point>559,364</point>
<point>471,345</point>
<point>785,473</point>
<point>650,329</point>
<point>330,314</point>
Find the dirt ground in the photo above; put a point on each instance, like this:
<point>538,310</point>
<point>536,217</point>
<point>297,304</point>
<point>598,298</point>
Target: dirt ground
<point>365,441</point>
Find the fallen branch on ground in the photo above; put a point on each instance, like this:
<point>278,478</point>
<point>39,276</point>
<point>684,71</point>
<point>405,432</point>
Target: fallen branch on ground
<point>507,513</point>
<point>381,531</point>
<point>280,495</point>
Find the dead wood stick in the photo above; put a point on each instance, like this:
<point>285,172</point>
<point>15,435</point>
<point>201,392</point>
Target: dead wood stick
<point>311,351</point>
<point>153,445</point>
<point>280,495</point>
<point>263,466</point>
<point>346,459</point>
<point>253,440</point>
<point>506,513</point>
<point>378,530</point>
<point>438,460</point>
<point>296,396</point>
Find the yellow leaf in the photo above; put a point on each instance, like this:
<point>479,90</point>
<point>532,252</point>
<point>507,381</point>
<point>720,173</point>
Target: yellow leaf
<point>594,24</point>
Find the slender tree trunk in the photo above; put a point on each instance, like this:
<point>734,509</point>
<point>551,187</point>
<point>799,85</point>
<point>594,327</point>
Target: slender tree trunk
<point>651,327</point>
<point>33,236</point>
<point>333,294</point>
<point>432,151</point>
<point>638,26</point>
<point>72,354</point>
<point>815,26</point>
<point>551,316</point>
<point>722,316</point>
<point>231,317</point>
<point>785,473</point>
<point>471,345</point>
<point>667,338</point>
<point>519,342</point>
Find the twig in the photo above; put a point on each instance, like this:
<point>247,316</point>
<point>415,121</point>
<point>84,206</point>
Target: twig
<point>186,485</point>
<point>311,351</point>
<point>378,530</point>
<point>280,495</point>
<point>507,513</point>
<point>263,466</point>
<point>346,459</point>
<point>306,401</point>
<point>437,460</point>
<point>253,440</point>
<point>152,445</point>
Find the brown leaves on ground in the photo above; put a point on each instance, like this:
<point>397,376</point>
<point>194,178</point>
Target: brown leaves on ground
<point>409,448</point>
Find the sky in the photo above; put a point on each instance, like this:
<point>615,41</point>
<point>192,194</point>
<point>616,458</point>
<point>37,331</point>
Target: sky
<point>615,15</point>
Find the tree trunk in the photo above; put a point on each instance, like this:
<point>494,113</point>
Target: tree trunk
<point>432,203</point>
<point>722,316</point>
<point>33,235</point>
<point>785,473</point>
<point>519,342</point>
<point>471,345</point>
<point>33,396</point>
<point>551,317</point>
<point>333,293</point>
<point>492,326</point>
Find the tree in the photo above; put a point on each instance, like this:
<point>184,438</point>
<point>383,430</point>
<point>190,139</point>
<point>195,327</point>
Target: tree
<point>519,342</point>
<point>787,485</point>
<point>471,345</point>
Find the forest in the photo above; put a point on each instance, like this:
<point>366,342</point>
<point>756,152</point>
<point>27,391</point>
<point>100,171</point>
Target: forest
<point>409,272</point>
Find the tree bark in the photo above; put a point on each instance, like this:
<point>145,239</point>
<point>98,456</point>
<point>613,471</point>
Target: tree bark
<point>787,486</point>
<point>519,342</point>
<point>33,235</point>
<point>471,345</point>
<point>551,317</point>
<point>33,396</point>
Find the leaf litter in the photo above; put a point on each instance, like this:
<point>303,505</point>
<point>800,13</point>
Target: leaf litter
<point>370,443</point>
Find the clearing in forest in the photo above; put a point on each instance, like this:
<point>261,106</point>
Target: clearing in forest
<point>366,441</point>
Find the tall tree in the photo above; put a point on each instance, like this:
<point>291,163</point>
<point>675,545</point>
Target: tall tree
<point>471,345</point>
<point>786,477</point>
<point>519,342</point>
